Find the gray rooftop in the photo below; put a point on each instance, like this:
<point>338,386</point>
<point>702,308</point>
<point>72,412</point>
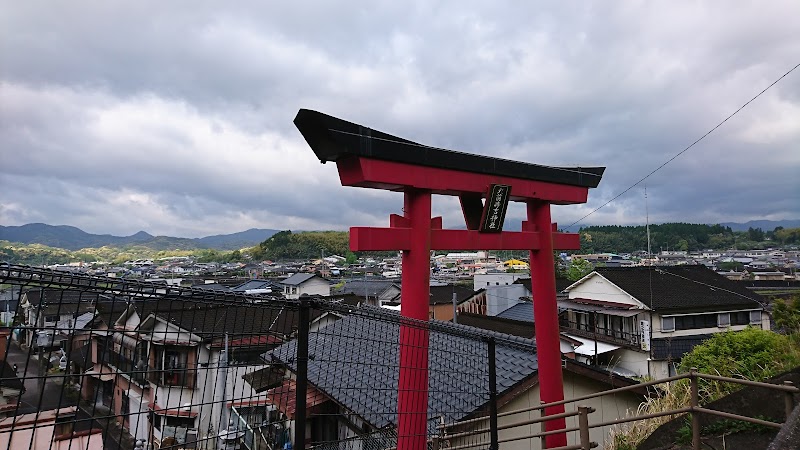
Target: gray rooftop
<point>355,361</point>
<point>522,312</point>
<point>298,279</point>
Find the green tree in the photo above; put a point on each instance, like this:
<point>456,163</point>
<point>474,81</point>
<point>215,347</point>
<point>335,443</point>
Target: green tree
<point>755,234</point>
<point>578,268</point>
<point>731,265</point>
<point>350,258</point>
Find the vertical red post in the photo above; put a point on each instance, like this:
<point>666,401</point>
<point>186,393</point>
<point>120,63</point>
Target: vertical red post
<point>545,311</point>
<point>412,395</point>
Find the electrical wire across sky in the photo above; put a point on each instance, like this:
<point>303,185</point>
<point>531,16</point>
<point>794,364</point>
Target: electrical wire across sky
<point>685,149</point>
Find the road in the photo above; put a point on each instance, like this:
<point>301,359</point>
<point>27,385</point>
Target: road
<point>55,393</point>
<point>37,397</point>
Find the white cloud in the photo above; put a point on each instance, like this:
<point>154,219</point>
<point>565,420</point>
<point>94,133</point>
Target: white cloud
<point>176,118</point>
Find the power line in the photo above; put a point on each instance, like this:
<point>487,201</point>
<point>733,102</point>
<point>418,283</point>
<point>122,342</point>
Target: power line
<point>687,148</point>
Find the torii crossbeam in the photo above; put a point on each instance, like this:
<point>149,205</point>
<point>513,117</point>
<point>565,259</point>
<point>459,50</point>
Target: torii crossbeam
<point>372,159</point>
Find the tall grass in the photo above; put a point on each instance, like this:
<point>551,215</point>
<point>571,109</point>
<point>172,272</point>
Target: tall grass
<point>628,436</point>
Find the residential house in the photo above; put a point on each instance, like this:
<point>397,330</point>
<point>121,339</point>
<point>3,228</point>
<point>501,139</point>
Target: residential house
<point>256,286</point>
<point>48,315</point>
<point>484,280</point>
<point>375,291</point>
<point>305,283</point>
<point>352,392</point>
<point>169,362</point>
<point>516,321</point>
<point>642,320</point>
<point>440,304</point>
<point>55,429</point>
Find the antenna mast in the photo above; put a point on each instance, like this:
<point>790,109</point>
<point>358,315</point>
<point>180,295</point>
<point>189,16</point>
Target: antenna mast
<point>647,218</point>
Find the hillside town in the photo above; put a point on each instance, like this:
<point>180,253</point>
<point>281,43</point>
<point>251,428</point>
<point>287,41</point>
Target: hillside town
<point>759,265</point>
<point>155,375</point>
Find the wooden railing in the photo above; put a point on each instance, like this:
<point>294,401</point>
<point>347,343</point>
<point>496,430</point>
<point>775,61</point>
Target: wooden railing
<point>694,409</point>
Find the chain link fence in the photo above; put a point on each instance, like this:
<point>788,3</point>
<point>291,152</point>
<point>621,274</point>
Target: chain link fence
<point>94,362</point>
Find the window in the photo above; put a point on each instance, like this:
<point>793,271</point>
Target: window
<point>667,324</point>
<point>755,317</point>
<point>695,321</point>
<point>51,318</point>
<point>126,408</point>
<point>65,425</point>
<point>171,366</point>
<point>740,318</point>
<point>723,320</point>
<point>180,422</point>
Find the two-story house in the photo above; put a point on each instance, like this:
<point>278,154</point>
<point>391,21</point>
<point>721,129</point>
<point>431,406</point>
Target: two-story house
<point>642,320</point>
<point>181,367</point>
<point>49,315</point>
<point>305,283</point>
<point>352,383</point>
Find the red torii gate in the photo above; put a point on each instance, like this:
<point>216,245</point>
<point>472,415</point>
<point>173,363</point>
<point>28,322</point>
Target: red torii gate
<point>372,159</point>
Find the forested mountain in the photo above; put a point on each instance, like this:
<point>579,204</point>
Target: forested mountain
<point>680,236</point>
<point>310,244</point>
<point>72,238</point>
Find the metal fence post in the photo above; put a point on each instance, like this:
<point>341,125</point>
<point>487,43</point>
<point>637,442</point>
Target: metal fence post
<point>543,424</point>
<point>695,402</point>
<point>302,374</point>
<point>492,394</point>
<point>583,424</point>
<point>788,399</point>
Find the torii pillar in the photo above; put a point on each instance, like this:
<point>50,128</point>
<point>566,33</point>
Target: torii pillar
<point>372,159</point>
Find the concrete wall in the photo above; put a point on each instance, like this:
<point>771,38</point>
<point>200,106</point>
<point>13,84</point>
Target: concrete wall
<point>500,298</point>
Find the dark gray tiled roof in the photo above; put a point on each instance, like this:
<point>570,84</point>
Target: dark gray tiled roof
<point>298,278</point>
<point>444,294</point>
<point>685,288</point>
<point>522,312</point>
<point>495,323</point>
<point>256,284</point>
<point>355,361</point>
<point>211,287</point>
<point>61,296</point>
<point>365,287</point>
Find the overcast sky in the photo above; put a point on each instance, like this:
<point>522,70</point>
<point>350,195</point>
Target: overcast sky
<point>176,117</point>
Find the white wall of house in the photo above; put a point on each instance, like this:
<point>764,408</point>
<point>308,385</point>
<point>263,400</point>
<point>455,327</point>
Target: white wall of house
<point>659,332</point>
<point>598,288</point>
<point>635,361</point>
<point>659,369</point>
<point>312,286</point>
<point>500,298</point>
<point>483,280</point>
<point>138,423</point>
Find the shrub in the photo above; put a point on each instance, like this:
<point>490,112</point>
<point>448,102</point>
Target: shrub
<point>752,354</point>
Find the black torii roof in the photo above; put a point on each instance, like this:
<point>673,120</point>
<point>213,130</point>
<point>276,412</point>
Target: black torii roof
<point>332,139</point>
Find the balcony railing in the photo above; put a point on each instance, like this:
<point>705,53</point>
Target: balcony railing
<point>604,334</point>
<point>137,372</point>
